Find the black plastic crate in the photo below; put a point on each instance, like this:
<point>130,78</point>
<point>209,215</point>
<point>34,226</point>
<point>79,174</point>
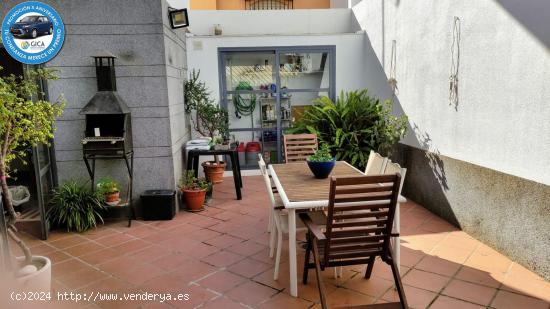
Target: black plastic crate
<point>158,204</point>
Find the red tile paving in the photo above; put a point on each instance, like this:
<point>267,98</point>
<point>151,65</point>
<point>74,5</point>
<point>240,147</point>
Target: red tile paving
<point>220,258</point>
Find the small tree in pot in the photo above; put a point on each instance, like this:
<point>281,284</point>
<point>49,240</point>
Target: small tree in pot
<point>26,120</point>
<point>211,120</point>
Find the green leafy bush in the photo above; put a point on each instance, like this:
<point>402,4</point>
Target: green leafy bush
<point>107,186</point>
<point>353,126</point>
<point>321,155</point>
<point>75,207</point>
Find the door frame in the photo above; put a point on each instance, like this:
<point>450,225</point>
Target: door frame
<point>277,51</point>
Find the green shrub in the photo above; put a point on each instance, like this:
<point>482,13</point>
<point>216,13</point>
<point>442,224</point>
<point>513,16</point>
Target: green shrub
<point>75,207</point>
<point>321,155</point>
<point>353,126</point>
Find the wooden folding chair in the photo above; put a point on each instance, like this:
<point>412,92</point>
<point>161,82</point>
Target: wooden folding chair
<point>359,227</point>
<point>298,147</point>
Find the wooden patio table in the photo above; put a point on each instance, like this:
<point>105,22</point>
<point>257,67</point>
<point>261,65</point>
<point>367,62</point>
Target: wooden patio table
<point>299,190</point>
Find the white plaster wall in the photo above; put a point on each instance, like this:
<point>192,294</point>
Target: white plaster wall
<point>502,118</point>
<point>260,22</point>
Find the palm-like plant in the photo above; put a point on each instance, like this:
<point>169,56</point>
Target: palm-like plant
<point>353,125</point>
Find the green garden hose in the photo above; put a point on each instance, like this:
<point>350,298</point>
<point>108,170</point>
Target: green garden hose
<point>242,108</point>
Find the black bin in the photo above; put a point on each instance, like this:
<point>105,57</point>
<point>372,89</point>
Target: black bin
<point>159,204</point>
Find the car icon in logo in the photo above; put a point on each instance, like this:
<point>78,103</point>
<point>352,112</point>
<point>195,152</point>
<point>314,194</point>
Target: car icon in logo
<point>25,45</point>
<point>32,26</point>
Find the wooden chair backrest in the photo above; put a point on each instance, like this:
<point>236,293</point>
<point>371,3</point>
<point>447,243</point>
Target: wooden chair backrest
<point>376,164</point>
<point>360,218</point>
<point>298,147</point>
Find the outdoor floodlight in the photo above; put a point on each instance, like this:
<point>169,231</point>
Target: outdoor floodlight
<point>178,18</point>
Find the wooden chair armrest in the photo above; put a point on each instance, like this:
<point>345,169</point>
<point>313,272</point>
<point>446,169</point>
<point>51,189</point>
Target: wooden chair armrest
<point>312,227</point>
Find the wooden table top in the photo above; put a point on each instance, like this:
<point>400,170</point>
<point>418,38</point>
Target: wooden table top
<point>300,185</point>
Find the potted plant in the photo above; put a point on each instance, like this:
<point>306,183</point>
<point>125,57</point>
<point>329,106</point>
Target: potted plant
<point>109,189</point>
<point>26,120</point>
<point>75,207</point>
<point>194,191</point>
<point>210,120</point>
<point>322,162</point>
<point>353,125</point>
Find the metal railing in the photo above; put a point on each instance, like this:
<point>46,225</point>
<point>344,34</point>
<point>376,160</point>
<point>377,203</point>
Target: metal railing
<point>269,4</point>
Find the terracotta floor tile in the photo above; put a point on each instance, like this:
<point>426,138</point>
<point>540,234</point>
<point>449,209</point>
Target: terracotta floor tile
<point>223,241</point>
<point>84,248</point>
<point>345,297</point>
<point>248,268</point>
<point>172,261</point>
<point>251,293</point>
<point>438,265</point>
<point>374,286</point>
<point>522,281</point>
<point>167,283</point>
<point>222,258</point>
<point>114,239</point>
<point>508,300</point>
<point>224,249</point>
<point>68,241</point>
<point>416,298</point>
<point>150,254</point>
<point>470,292</point>
<point>57,256</point>
<point>286,301</point>
<point>131,246</point>
<point>247,248</point>
<point>82,277</point>
<point>222,281</point>
<point>199,251</point>
<point>444,302</point>
<point>478,276</point>
<point>425,280</point>
<point>194,270</point>
<point>222,302</point>
<point>67,267</point>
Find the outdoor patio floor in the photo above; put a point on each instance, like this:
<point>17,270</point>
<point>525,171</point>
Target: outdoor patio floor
<point>220,258</point>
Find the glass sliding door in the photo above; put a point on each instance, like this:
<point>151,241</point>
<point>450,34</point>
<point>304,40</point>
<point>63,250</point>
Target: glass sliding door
<point>265,90</point>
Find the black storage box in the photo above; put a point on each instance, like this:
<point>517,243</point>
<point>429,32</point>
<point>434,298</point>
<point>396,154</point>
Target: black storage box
<point>159,204</point>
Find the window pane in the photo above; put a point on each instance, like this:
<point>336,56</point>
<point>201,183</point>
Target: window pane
<point>305,70</point>
<point>249,69</point>
<point>297,102</point>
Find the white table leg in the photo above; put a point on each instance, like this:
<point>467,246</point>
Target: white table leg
<point>292,252</point>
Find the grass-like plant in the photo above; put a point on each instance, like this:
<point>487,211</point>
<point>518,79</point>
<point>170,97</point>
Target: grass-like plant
<point>353,126</point>
<point>76,207</point>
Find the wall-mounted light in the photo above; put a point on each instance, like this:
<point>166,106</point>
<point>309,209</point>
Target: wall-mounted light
<point>178,18</point>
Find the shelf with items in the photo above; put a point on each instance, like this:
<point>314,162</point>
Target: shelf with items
<point>268,111</point>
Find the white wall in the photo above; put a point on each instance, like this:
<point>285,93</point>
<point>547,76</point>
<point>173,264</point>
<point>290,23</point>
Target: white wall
<point>256,22</point>
<point>502,120</point>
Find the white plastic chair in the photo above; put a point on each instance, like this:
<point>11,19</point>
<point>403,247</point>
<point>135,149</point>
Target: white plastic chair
<point>376,164</point>
<point>392,168</point>
<point>279,225</point>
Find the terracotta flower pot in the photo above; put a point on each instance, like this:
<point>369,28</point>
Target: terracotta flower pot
<point>112,198</point>
<point>194,199</point>
<point>214,171</point>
